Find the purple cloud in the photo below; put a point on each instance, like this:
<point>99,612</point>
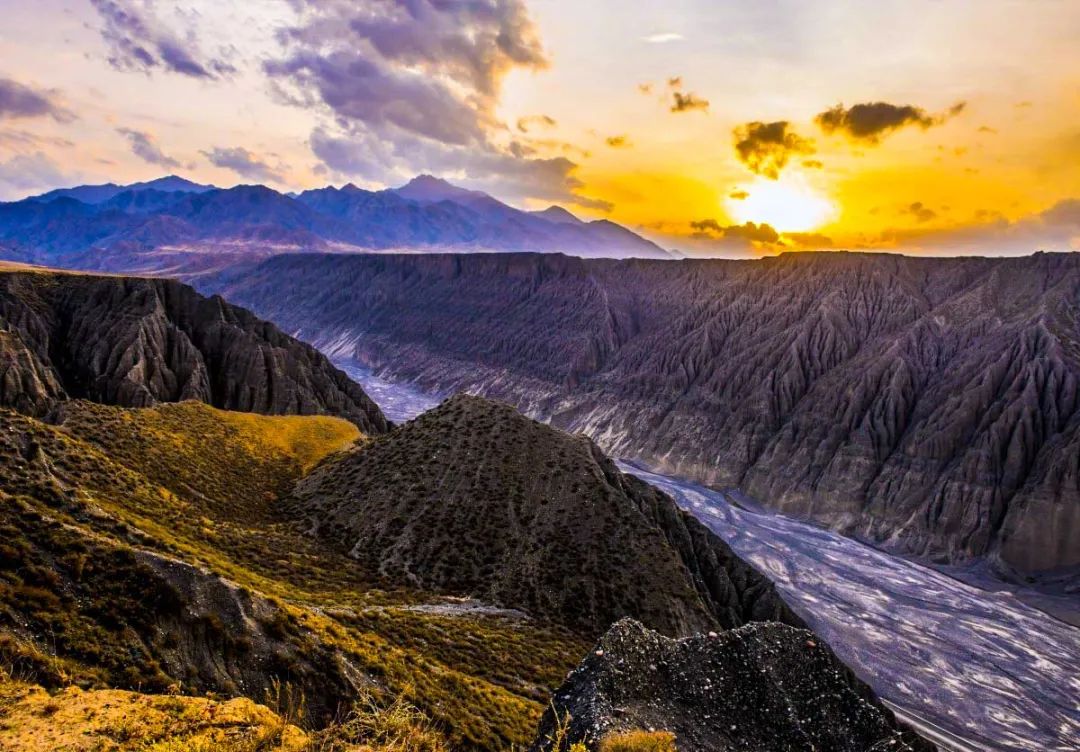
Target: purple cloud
<point>24,173</point>
<point>21,101</point>
<point>139,40</point>
<point>411,86</point>
<point>244,163</point>
<point>143,146</point>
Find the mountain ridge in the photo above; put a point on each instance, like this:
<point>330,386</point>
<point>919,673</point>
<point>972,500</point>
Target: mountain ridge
<point>173,225</point>
<point>138,342</point>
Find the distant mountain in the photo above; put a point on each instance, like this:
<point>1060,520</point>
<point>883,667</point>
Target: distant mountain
<point>176,226</point>
<point>474,498</point>
<point>96,194</point>
<point>138,342</point>
<point>558,215</point>
<point>426,189</point>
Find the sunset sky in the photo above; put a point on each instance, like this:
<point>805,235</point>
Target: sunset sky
<point>723,128</point>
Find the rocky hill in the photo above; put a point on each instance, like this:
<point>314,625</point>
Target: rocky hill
<point>138,342</point>
<point>926,404</point>
<point>759,688</point>
<point>475,499</point>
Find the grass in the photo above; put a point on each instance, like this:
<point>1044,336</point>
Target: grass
<point>638,741</point>
<point>204,486</point>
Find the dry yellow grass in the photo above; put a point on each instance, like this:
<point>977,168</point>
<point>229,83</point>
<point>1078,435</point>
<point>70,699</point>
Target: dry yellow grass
<point>305,438</point>
<point>74,720</point>
<point>638,741</point>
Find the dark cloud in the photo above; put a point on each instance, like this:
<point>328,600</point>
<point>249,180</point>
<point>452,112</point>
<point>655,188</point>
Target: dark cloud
<point>766,148</point>
<point>139,40</point>
<point>688,101</point>
<point>869,122</point>
<point>750,231</point>
<point>739,195</point>
<point>21,101</point>
<point>920,211</point>
<point>244,163</point>
<point>143,146</point>
<point>813,164</point>
<point>809,240</point>
<point>675,82</point>
<point>525,124</point>
<point>618,142</point>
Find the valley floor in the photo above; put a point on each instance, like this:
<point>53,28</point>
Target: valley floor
<point>982,668</point>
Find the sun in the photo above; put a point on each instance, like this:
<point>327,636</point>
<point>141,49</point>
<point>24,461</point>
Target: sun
<point>788,205</point>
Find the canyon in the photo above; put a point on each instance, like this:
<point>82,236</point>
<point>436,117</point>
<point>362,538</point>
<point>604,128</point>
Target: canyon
<point>927,405</point>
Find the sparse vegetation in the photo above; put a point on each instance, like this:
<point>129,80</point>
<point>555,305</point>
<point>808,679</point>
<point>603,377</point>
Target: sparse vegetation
<point>204,486</point>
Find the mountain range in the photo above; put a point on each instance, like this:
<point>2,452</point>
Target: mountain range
<point>174,225</point>
<point>927,405</point>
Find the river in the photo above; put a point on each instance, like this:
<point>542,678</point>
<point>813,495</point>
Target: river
<point>973,668</point>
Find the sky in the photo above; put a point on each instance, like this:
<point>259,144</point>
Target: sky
<point>716,128</point>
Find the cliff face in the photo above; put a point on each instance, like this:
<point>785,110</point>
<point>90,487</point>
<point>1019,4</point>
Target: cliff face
<point>760,688</point>
<point>137,342</point>
<point>473,498</point>
<point>929,404</point>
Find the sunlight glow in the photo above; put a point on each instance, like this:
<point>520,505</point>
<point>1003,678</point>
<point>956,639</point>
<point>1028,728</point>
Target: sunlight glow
<point>788,205</point>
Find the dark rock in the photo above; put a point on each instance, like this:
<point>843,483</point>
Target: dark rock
<point>764,687</point>
<point>476,499</point>
<point>136,342</point>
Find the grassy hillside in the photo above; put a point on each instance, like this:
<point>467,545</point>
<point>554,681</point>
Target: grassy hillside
<point>125,533</point>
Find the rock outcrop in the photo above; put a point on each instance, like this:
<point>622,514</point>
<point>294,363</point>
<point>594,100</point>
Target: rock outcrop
<point>136,342</point>
<point>760,688</point>
<point>926,404</point>
<point>475,499</point>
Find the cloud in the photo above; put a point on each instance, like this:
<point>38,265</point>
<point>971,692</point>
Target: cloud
<point>987,129</point>
<point>869,122</point>
<point>618,142</point>
<point>813,164</point>
<point>139,40</point>
<point>663,37</point>
<point>749,231</point>
<point>686,102</point>
<point>525,124</point>
<point>1054,229</point>
<point>809,240</point>
<point>427,68</point>
<point>21,101</point>
<point>244,163</point>
<point>766,148</point>
<point>407,87</point>
<point>143,146</point>
<point>30,173</point>
<point>920,212</point>
<point>645,88</point>
<point>739,195</point>
<point>511,174</point>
